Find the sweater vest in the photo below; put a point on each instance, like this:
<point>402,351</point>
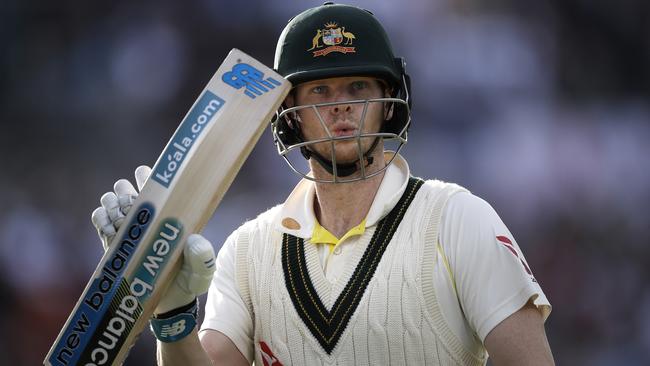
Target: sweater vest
<point>383,309</point>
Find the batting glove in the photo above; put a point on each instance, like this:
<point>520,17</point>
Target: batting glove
<point>198,255</point>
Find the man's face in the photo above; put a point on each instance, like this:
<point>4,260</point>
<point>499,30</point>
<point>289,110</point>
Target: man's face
<point>341,120</point>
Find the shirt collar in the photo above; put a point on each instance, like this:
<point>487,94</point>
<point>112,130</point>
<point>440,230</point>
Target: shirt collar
<point>321,235</point>
<point>296,217</point>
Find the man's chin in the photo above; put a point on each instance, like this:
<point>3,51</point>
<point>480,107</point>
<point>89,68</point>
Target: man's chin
<point>346,158</point>
<point>347,151</point>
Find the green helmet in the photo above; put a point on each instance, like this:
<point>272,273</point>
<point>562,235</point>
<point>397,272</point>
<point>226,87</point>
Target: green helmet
<point>336,40</point>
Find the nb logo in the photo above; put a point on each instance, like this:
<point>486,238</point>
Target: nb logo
<point>245,75</point>
<point>173,329</point>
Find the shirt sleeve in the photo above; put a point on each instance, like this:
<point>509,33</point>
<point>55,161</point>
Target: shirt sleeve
<point>225,311</point>
<point>493,279</point>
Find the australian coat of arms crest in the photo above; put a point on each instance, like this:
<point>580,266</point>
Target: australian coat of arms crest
<point>332,38</point>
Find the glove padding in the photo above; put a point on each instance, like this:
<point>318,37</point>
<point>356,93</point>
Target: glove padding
<point>198,255</point>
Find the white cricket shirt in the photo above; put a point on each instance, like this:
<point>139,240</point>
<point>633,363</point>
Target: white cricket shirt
<point>484,269</point>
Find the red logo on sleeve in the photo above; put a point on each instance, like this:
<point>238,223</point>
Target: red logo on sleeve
<point>506,242</point>
<point>268,358</point>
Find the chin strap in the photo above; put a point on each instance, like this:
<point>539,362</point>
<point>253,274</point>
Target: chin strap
<point>342,170</point>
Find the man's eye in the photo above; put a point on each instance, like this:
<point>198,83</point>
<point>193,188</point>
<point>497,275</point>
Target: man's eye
<point>318,89</point>
<point>359,85</point>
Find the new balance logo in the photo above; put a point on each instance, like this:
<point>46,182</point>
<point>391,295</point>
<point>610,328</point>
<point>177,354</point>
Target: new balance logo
<point>245,75</point>
<point>173,329</point>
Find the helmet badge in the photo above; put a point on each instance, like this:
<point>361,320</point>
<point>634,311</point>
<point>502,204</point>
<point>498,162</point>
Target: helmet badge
<point>332,36</point>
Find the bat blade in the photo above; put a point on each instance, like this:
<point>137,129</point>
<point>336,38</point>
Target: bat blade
<point>187,182</point>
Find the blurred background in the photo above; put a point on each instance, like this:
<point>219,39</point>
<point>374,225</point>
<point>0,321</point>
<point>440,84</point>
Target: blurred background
<point>540,107</point>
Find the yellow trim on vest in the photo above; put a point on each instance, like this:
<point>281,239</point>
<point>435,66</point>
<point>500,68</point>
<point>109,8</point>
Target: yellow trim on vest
<point>320,235</point>
<point>444,260</point>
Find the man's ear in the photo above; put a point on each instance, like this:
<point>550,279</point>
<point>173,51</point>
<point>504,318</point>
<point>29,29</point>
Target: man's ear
<point>388,111</point>
<point>388,107</point>
<point>289,101</point>
<point>386,89</point>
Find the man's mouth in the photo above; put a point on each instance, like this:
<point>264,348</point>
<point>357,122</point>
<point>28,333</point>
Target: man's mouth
<point>341,129</point>
<point>344,132</point>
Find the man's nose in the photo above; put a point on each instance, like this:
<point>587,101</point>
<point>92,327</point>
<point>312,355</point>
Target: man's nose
<point>342,97</point>
<point>339,108</point>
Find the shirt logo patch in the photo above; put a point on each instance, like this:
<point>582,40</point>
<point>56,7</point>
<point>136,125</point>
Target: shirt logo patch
<point>506,242</point>
<point>268,358</point>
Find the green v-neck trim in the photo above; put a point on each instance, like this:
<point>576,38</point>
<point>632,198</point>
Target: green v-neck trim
<point>327,326</point>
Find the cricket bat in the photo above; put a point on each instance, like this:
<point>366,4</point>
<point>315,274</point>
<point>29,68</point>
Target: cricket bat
<point>186,184</point>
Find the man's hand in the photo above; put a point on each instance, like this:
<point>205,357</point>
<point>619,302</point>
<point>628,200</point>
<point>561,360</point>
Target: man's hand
<point>198,255</point>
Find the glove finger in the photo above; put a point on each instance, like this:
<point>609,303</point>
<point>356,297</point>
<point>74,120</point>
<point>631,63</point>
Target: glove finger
<point>126,194</point>
<point>101,221</point>
<point>195,275</point>
<point>198,264</point>
<point>105,228</point>
<point>199,254</point>
<point>141,174</point>
<point>111,204</point>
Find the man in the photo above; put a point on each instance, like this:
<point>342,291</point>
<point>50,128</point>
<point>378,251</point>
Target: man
<point>362,264</point>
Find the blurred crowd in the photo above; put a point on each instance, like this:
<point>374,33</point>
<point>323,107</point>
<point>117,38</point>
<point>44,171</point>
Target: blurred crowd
<point>540,107</point>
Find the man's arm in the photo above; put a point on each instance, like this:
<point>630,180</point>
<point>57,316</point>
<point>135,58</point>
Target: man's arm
<point>221,349</point>
<point>520,339</point>
<point>186,351</point>
<point>213,348</point>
